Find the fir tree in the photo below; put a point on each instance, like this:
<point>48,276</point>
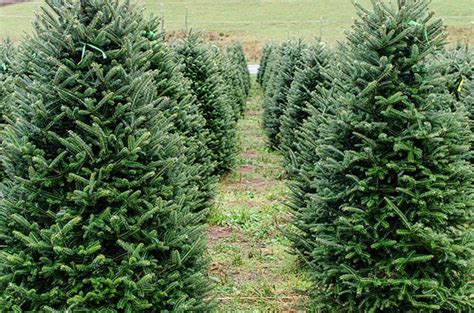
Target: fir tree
<point>179,104</point>
<point>271,69</point>
<point>389,223</point>
<point>308,78</point>
<point>7,52</point>
<point>236,55</point>
<point>98,215</point>
<point>208,86</point>
<point>467,94</point>
<point>267,51</point>
<point>276,95</point>
<point>234,85</point>
<point>456,67</point>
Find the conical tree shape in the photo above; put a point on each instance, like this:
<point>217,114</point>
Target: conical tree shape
<point>267,51</point>
<point>208,86</point>
<point>276,95</point>
<point>235,53</point>
<point>391,216</point>
<point>233,83</point>
<point>308,78</point>
<point>271,70</point>
<point>179,104</point>
<point>98,214</point>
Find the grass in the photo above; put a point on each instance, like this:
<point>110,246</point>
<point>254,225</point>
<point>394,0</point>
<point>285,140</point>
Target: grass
<point>256,21</point>
<point>251,265</point>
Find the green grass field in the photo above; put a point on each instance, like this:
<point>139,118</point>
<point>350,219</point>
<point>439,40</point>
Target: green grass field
<point>256,21</point>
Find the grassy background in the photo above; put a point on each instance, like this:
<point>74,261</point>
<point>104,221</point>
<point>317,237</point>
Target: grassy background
<point>256,21</point>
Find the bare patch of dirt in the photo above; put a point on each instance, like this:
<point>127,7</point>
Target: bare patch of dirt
<point>252,113</point>
<point>218,233</point>
<point>252,154</point>
<point>245,169</point>
<point>460,34</point>
<point>256,183</point>
<point>242,203</point>
<point>252,49</point>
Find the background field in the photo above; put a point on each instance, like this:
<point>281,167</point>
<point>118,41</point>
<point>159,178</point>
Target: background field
<point>256,21</point>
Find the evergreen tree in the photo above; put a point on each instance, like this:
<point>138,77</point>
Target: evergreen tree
<point>271,69</point>
<point>389,224</point>
<point>7,52</point>
<point>308,78</point>
<point>456,67</point>
<point>236,55</point>
<point>267,51</point>
<point>98,214</point>
<point>179,104</point>
<point>234,85</point>
<point>208,86</point>
<point>275,101</point>
<point>467,93</point>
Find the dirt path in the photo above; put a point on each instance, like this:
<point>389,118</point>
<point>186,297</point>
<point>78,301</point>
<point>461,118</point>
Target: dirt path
<point>250,263</point>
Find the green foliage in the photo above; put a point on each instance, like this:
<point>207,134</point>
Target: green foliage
<point>388,226</point>
<point>236,55</point>
<point>179,104</point>
<point>267,51</point>
<point>234,85</point>
<point>99,212</point>
<point>271,69</point>
<point>276,92</point>
<point>468,99</point>
<point>308,79</point>
<point>7,52</point>
<point>456,67</point>
<point>208,86</point>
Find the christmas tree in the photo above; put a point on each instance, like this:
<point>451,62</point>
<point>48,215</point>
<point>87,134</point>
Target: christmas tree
<point>276,95</point>
<point>271,69</point>
<point>236,55</point>
<point>456,66</point>
<point>7,52</point>
<point>208,86</point>
<point>308,78</point>
<point>389,223</point>
<point>179,104</point>
<point>267,51</point>
<point>99,214</point>
<point>233,83</point>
